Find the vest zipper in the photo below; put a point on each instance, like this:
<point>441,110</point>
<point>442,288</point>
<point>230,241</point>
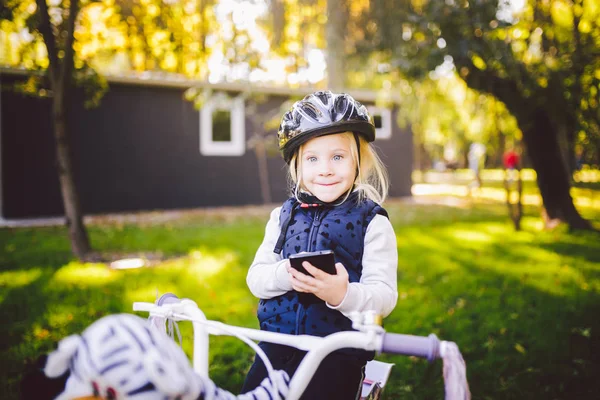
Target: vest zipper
<point>314,228</point>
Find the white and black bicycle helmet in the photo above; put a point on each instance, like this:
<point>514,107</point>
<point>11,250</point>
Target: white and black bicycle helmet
<point>322,113</point>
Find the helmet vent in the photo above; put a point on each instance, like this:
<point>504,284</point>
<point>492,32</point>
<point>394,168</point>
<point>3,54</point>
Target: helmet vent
<point>311,111</point>
<point>324,97</point>
<point>340,106</point>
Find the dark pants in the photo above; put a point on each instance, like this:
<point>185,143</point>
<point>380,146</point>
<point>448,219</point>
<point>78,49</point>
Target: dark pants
<point>339,376</point>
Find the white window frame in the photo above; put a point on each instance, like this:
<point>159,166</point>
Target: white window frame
<point>236,107</point>
<point>385,132</point>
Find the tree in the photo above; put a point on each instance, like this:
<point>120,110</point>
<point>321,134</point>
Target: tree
<point>80,37</point>
<point>53,30</point>
<point>540,61</point>
<point>335,34</point>
<point>444,114</point>
<point>60,74</point>
<point>58,36</point>
<point>171,36</point>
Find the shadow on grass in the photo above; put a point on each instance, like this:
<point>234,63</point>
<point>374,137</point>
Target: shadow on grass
<point>524,316</point>
<point>26,248</point>
<point>576,246</point>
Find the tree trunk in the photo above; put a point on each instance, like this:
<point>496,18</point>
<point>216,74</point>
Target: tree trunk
<point>80,244</point>
<point>541,138</point>
<point>60,73</point>
<point>335,34</point>
<point>263,170</point>
<point>514,184</point>
<point>278,15</point>
<point>500,148</point>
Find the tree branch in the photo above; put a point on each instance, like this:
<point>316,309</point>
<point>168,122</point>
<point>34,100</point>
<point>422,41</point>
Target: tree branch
<point>506,90</point>
<point>46,30</point>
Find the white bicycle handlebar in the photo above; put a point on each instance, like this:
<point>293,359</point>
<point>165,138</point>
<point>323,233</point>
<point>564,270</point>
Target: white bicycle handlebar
<point>368,337</point>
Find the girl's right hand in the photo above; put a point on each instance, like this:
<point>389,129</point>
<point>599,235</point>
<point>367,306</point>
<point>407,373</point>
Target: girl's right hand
<point>329,288</point>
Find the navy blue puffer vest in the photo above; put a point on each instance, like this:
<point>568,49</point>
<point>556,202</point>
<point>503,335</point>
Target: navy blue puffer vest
<point>341,229</point>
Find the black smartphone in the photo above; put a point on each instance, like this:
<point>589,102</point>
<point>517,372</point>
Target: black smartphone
<point>324,260</point>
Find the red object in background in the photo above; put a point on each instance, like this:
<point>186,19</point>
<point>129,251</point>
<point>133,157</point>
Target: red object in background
<point>511,159</point>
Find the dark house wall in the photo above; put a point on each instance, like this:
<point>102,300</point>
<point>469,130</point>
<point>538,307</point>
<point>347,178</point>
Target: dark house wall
<point>397,154</point>
<point>29,180</point>
<point>139,150</point>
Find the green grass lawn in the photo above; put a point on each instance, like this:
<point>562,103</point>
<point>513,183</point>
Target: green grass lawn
<point>523,306</point>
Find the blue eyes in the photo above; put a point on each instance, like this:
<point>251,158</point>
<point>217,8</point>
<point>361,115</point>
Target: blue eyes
<point>336,157</point>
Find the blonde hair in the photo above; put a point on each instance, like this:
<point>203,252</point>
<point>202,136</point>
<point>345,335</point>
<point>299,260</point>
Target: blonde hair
<point>372,179</point>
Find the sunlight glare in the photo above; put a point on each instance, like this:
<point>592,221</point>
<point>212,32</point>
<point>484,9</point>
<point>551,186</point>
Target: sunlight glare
<point>15,279</point>
<point>243,16</point>
<point>85,273</point>
<point>316,66</point>
<point>293,79</point>
<point>216,67</point>
<point>275,69</point>
<point>465,236</point>
<point>26,36</point>
<point>128,263</point>
<point>508,9</point>
<point>202,264</point>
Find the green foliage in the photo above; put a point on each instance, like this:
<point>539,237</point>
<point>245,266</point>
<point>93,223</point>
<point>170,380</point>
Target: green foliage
<point>117,36</point>
<point>522,306</point>
<point>446,116</point>
<point>544,55</point>
<point>30,52</point>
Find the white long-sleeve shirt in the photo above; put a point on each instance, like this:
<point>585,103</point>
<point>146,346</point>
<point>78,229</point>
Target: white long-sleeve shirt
<point>377,289</point>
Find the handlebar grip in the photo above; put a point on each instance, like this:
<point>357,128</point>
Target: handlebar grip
<point>159,319</point>
<point>168,298</point>
<point>409,345</point>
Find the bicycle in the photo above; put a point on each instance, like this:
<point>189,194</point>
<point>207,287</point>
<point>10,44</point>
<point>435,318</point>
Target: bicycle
<point>369,335</point>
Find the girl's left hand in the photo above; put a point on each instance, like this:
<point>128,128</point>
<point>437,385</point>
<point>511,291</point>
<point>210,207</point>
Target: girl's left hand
<point>329,288</point>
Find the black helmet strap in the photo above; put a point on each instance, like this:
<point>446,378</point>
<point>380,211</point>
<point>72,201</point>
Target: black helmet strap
<point>357,138</point>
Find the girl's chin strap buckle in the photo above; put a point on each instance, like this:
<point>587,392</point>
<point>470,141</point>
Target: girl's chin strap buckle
<point>307,205</point>
<point>286,221</point>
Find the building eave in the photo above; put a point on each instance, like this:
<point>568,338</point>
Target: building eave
<point>178,81</point>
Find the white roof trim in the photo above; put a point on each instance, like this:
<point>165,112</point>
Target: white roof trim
<point>178,81</point>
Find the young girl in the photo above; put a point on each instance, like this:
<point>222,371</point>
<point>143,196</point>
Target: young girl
<point>338,186</point>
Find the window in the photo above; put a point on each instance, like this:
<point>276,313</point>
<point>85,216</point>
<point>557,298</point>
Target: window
<point>222,126</point>
<point>382,117</point>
